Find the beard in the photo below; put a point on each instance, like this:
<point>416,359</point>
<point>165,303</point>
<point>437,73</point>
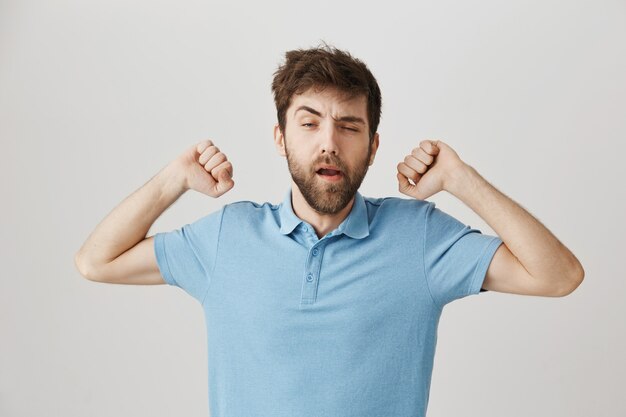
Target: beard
<point>326,197</point>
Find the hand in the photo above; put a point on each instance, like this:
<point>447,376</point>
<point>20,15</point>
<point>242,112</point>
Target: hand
<point>431,167</point>
<point>206,169</point>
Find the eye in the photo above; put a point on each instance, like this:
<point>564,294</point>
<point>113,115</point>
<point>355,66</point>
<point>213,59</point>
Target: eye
<point>306,124</point>
<point>349,128</point>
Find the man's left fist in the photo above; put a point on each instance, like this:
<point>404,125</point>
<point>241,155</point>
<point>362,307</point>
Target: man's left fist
<point>430,167</point>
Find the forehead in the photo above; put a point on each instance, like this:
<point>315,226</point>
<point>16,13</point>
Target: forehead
<point>330,99</point>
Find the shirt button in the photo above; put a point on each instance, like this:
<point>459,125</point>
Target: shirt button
<point>309,277</point>
<point>315,251</point>
<point>306,229</point>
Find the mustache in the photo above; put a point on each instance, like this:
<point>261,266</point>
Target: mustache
<point>331,161</point>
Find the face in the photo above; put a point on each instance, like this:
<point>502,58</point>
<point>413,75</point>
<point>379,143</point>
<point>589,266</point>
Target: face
<point>326,130</point>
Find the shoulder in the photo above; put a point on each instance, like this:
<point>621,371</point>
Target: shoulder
<point>396,212</point>
<point>248,205</point>
<point>245,209</point>
<point>395,205</point>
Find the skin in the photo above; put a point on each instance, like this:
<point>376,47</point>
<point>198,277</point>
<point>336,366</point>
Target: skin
<point>531,260</point>
<point>310,140</point>
<point>118,251</point>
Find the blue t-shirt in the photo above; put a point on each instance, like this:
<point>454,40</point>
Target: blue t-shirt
<point>345,325</point>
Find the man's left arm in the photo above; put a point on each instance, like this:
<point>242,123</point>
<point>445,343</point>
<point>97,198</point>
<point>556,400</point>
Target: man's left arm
<point>531,260</point>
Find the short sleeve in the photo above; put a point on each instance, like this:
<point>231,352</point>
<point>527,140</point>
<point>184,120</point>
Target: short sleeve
<point>186,256</point>
<point>456,256</point>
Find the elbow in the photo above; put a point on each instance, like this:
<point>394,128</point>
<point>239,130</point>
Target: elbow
<point>84,267</point>
<point>572,282</point>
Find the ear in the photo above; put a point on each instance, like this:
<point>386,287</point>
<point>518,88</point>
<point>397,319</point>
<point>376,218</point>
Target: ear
<point>279,140</point>
<point>374,145</point>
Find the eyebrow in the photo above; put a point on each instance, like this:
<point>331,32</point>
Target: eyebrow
<point>354,119</point>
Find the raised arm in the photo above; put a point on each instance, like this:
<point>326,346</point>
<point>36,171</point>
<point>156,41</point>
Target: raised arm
<point>532,261</point>
<point>118,251</point>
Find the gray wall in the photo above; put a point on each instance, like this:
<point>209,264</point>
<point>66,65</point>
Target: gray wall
<point>96,97</point>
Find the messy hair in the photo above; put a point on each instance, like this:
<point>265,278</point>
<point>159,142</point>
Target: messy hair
<point>321,67</point>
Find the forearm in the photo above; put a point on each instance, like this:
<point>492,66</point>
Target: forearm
<point>536,248</point>
<point>129,222</point>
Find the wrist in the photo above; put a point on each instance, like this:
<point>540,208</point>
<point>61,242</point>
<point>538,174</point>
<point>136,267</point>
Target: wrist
<point>172,179</point>
<point>462,180</point>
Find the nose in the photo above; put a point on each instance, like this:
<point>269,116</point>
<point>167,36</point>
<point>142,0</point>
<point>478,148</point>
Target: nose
<point>330,139</point>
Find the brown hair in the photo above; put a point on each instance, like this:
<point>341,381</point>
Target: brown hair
<point>321,67</point>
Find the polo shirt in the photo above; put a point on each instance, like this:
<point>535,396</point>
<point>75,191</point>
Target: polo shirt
<point>341,326</point>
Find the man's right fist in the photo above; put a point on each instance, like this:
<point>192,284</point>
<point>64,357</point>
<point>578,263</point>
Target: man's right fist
<point>206,169</point>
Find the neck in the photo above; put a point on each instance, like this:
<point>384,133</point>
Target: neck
<point>321,222</point>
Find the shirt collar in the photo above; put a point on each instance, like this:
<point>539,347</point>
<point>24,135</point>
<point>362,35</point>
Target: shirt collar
<point>355,225</point>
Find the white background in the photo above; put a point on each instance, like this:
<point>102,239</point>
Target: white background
<point>97,96</point>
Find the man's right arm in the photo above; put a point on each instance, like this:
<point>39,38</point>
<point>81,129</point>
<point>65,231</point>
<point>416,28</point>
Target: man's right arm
<point>118,251</point>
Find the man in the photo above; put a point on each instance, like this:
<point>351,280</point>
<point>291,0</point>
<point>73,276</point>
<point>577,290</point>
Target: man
<point>327,304</point>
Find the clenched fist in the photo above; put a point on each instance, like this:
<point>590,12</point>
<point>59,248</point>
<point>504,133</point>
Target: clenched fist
<point>432,167</point>
<point>206,169</point>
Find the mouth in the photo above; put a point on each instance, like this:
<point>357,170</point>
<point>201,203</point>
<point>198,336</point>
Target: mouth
<point>330,174</point>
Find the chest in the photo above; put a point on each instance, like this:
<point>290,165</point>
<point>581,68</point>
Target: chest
<point>281,289</point>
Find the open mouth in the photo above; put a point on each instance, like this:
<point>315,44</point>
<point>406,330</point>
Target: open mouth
<point>329,174</point>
